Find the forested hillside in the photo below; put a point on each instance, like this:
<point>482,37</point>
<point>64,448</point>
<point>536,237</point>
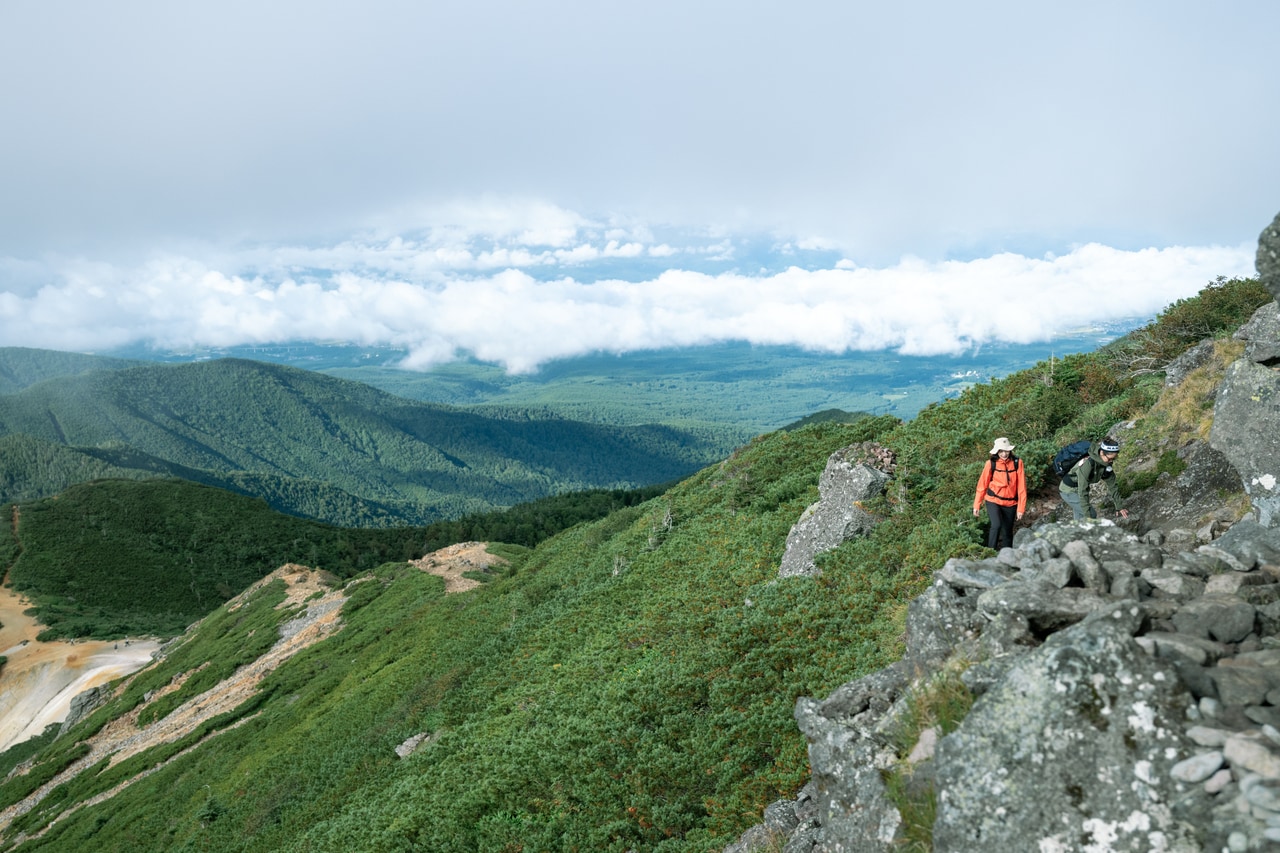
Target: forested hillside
<point>629,685</point>
<point>316,446</point>
<point>22,367</point>
<point>118,558</point>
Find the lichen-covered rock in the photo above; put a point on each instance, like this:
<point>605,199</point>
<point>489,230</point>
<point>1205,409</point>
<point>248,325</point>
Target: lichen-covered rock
<point>1262,335</point>
<point>1043,605</point>
<point>1268,257</point>
<point>853,805</point>
<point>1250,397</point>
<point>837,515</point>
<point>1073,748</point>
<point>1177,370</point>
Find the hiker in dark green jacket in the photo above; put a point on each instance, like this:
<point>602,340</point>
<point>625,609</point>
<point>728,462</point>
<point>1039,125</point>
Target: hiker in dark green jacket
<point>1094,468</point>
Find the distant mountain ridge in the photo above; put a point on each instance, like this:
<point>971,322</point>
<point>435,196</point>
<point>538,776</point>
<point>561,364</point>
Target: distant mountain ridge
<point>22,367</point>
<point>289,435</point>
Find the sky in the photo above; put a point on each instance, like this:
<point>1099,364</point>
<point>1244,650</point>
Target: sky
<point>522,181</point>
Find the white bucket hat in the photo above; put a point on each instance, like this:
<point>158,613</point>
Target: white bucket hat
<point>1002,443</point>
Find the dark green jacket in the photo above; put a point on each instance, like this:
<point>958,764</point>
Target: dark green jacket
<point>1089,470</point>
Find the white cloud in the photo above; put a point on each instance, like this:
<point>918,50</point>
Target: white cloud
<point>439,301</point>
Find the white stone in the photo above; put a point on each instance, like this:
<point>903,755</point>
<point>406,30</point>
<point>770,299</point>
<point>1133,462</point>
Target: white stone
<point>1218,781</point>
<point>1197,768</point>
<point>1206,736</point>
<point>1248,754</point>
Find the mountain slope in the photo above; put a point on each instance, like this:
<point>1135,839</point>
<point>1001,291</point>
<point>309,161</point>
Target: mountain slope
<point>273,427</point>
<point>629,686</point>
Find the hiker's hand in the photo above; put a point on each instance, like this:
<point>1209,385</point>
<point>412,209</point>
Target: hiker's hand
<point>1019,518</point>
<point>975,513</point>
<point>1124,513</point>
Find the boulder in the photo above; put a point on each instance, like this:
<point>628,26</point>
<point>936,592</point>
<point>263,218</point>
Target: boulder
<point>1262,335</point>
<point>836,516</point>
<point>852,803</point>
<point>1073,750</point>
<point>1250,396</point>
<point>1177,370</point>
<point>1268,257</point>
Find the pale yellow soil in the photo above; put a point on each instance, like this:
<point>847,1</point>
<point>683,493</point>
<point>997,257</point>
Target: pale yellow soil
<point>39,680</point>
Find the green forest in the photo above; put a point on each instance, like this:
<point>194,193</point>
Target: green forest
<point>628,684</point>
<point>119,558</point>
<point>315,446</point>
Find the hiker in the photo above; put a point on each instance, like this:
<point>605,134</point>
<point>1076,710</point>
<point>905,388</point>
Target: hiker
<point>1003,488</point>
<point>1093,468</point>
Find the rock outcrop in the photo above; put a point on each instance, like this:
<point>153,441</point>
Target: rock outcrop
<point>1248,405</point>
<point>849,479</point>
<point>1127,698</point>
<point>1247,411</point>
<point>1125,689</point>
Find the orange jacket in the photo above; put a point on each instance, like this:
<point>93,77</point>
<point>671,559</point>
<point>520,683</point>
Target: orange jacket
<point>1004,483</point>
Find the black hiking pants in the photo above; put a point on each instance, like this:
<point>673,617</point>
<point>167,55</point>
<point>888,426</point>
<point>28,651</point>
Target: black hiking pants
<point>1002,518</point>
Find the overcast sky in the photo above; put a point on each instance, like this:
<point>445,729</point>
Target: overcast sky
<point>525,181</point>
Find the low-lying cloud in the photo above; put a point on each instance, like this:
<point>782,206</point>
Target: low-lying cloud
<point>532,297</point>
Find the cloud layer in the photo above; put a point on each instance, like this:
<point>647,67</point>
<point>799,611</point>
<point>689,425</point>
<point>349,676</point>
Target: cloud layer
<point>524,284</point>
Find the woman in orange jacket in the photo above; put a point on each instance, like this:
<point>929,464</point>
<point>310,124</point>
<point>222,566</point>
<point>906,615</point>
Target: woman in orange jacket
<point>1003,487</point>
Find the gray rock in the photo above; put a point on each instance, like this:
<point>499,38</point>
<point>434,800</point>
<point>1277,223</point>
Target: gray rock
<point>1208,736</point>
<point>1076,741</point>
<point>757,839</point>
<point>1037,550</point>
<point>937,620</point>
<point>1088,569</point>
<point>1044,606</point>
<point>804,840</point>
<point>853,805</point>
<point>875,692</point>
<point>1177,370</point>
<point>1241,685</point>
<point>1007,635</point>
<point>971,574</point>
<point>82,705</point>
<point>780,817</point>
<point>1268,258</point>
<point>1057,571</point>
<point>982,676</point>
<point>1195,650</point>
<point>1224,557</point>
<point>1126,586</point>
<point>1249,753</point>
<point>1263,715</point>
<point>1174,584</point>
<point>1258,594</point>
<point>1262,335</point>
<point>1197,768</point>
<point>1222,617</point>
<point>1250,395</point>
<point>1268,618</point>
<point>836,516</point>
<point>1194,564</point>
<point>1234,582</point>
<point>1250,543</point>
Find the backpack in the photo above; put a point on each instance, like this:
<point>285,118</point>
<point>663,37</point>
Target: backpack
<point>1066,458</point>
<point>991,464</point>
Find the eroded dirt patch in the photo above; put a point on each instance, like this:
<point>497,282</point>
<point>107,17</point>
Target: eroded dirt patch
<point>449,563</point>
<point>122,738</point>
